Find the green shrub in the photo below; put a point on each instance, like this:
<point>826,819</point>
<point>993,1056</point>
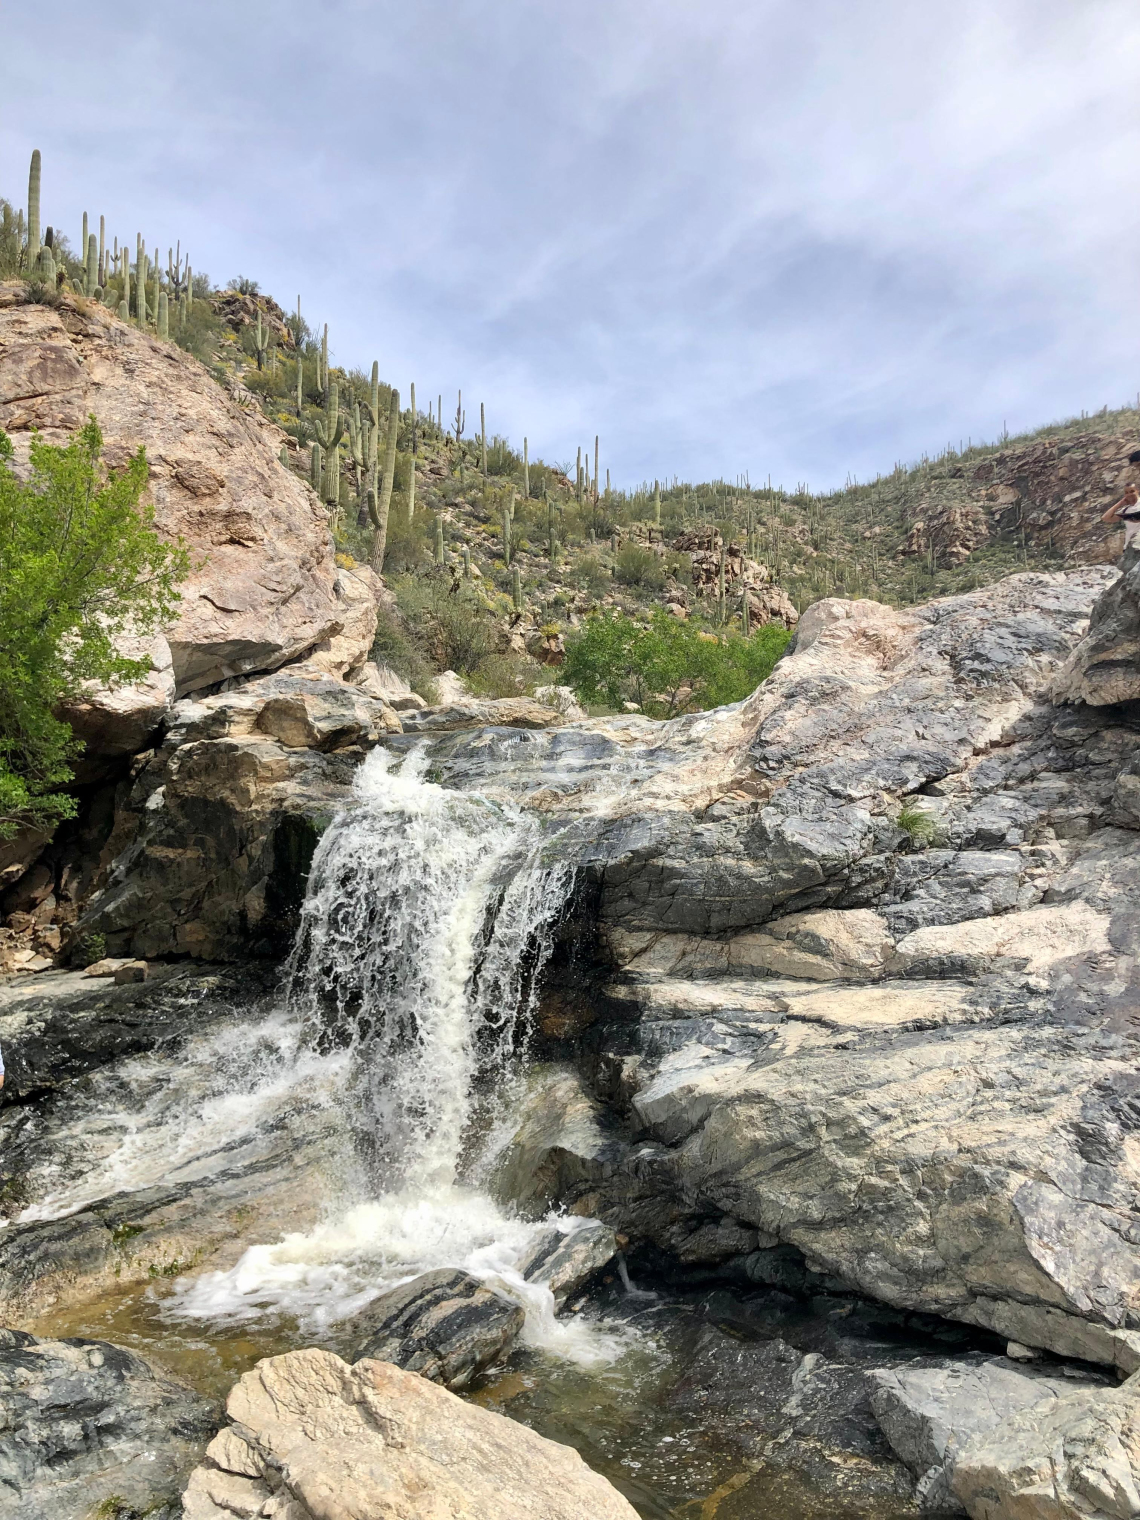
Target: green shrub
<point>637,566</point>
<point>80,564</point>
<point>450,623</point>
<point>919,824</point>
<point>394,646</point>
<point>665,665</point>
<point>506,675</point>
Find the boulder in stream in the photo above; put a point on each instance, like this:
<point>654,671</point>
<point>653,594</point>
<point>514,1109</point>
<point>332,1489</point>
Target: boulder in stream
<point>84,1423</point>
<point>929,1413</point>
<point>311,1436</point>
<point>1070,1456</point>
<point>564,1260</point>
<point>445,1325</point>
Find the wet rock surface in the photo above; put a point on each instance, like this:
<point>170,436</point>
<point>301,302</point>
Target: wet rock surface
<point>84,1423</point>
<point>311,1436</point>
<point>65,1024</point>
<point>443,1325</point>
<point>796,1412</point>
<point>565,1260</point>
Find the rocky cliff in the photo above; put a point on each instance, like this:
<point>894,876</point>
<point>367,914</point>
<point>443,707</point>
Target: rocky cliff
<point>876,1014</point>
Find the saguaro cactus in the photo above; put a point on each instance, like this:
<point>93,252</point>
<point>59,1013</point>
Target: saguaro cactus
<point>163,313</point>
<point>315,468</point>
<point>140,281</point>
<point>45,266</point>
<point>508,527</point>
<point>261,340</point>
<point>516,589</point>
<point>34,209</point>
<point>467,561</point>
<point>300,383</point>
<point>411,488</point>
<point>657,503</point>
<point>383,506</point>
<point>91,273</point>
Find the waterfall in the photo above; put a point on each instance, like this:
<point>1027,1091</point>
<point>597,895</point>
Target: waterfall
<point>428,920</point>
<point>429,917</point>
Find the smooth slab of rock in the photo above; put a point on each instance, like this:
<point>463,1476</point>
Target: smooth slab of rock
<point>82,1422</point>
<point>565,1261</point>
<point>315,1439</point>
<point>824,946</point>
<point>445,1325</point>
<point>1066,1458</point>
<point>928,1414</point>
<point>469,712</point>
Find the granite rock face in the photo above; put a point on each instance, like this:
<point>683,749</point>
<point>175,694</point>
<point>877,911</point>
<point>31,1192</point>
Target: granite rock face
<point>84,1423</point>
<point>310,1436</point>
<point>929,1413</point>
<point>219,827</point>
<point>265,588</point>
<point>1105,666</point>
<point>1069,1457</point>
<point>899,1059</point>
<point>444,1325</point>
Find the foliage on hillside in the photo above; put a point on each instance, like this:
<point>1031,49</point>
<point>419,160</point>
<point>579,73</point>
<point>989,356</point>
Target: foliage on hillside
<point>80,564</point>
<point>497,559</point>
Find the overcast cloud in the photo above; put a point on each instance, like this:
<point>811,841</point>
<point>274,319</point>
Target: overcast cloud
<point>804,237</point>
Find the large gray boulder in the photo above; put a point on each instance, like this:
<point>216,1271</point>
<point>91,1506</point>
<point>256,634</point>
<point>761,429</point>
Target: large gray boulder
<point>445,1325</point>
<point>85,1423</point>
<point>1075,1455</point>
<point>930,1413</point>
<point>1105,665</point>
<point>565,1260</point>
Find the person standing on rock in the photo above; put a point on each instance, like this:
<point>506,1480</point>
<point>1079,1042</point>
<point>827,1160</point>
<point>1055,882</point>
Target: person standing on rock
<point>1127,511</point>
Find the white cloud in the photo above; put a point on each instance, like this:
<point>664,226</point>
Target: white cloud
<point>799,237</point>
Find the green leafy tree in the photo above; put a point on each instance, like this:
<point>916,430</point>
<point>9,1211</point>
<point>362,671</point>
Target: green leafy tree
<point>666,666</point>
<point>80,565</point>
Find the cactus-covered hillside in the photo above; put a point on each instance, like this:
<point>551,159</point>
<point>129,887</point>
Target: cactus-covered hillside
<point>495,555</point>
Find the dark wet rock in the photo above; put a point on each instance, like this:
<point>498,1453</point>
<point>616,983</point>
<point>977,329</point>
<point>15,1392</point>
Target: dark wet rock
<point>794,1412</point>
<point>928,1413</point>
<point>1105,666</point>
<point>84,1423</point>
<point>62,1025</point>
<point>444,1325</point>
<point>566,1260</point>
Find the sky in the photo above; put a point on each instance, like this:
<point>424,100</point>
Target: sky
<point>797,238</point>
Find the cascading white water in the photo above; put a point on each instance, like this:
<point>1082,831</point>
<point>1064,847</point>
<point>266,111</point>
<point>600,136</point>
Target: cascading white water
<point>427,923</point>
<point>429,917</point>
